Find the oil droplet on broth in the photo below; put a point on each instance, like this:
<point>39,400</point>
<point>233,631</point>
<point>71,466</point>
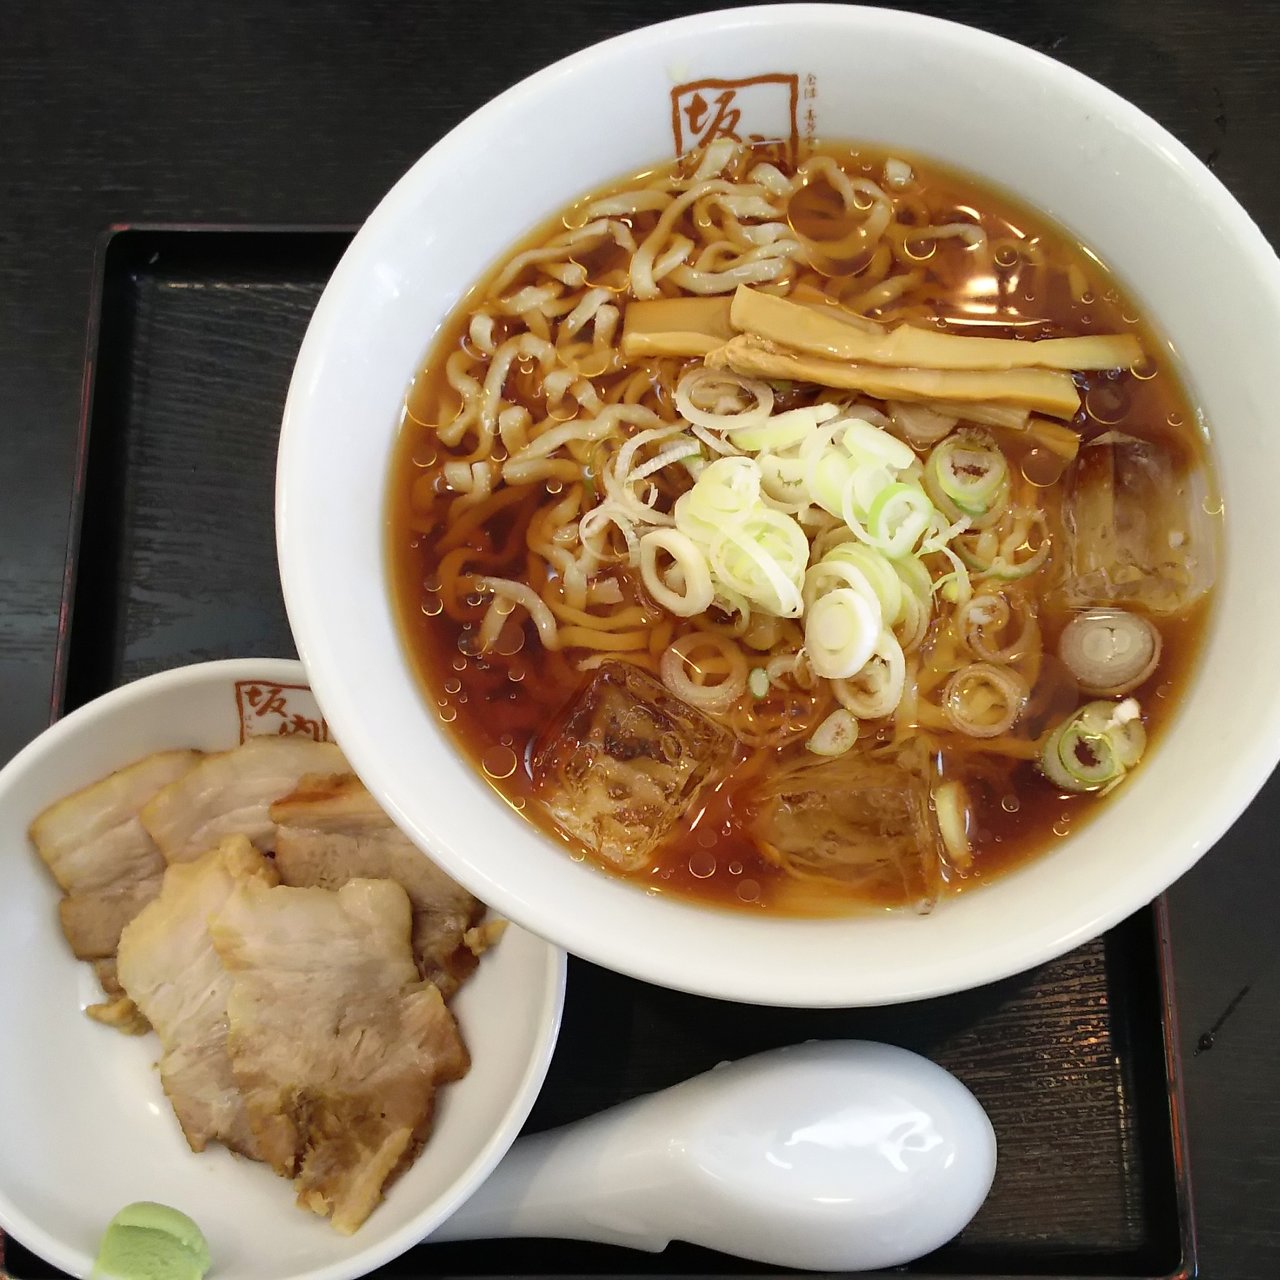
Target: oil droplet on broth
<point>499,762</point>
<point>453,685</point>
<point>576,218</point>
<point>1042,468</point>
<point>432,606</point>
<point>1144,370</point>
<point>707,839</point>
<point>1010,804</point>
<point>748,890</point>
<point>735,868</point>
<point>448,714</point>
<point>1061,828</point>
<point>1107,403</point>
<point>460,663</point>
<point>702,864</point>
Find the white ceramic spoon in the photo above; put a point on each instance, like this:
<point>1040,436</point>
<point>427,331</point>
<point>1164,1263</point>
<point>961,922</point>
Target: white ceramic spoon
<point>837,1155</point>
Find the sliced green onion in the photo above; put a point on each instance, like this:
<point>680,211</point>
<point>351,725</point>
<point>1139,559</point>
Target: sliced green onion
<point>877,689</point>
<point>756,554</point>
<point>764,560</point>
<point>840,633</point>
<point>967,474</point>
<point>1110,651</point>
<point>782,479</point>
<point>783,430</point>
<point>712,399</point>
<point>1080,760</point>
<point>835,735</point>
<point>985,621</point>
<point>898,517</point>
<point>984,700</point>
<point>915,577</point>
<point>1010,550</point>
<point>951,807</point>
<point>1127,732</point>
<point>686,588</point>
<point>828,475</point>
<point>868,443</point>
<point>873,567</point>
<point>866,483</point>
<point>1094,749</point>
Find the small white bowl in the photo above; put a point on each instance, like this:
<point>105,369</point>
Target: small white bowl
<point>1184,248</point>
<point>84,1124</point>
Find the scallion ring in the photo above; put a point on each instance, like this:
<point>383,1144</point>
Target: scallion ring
<point>835,735</point>
<point>1094,749</point>
<point>985,622</point>
<point>840,632</point>
<point>1110,651</point>
<point>875,690</point>
<point>967,475</point>
<point>984,700</point>
<point>685,588</point>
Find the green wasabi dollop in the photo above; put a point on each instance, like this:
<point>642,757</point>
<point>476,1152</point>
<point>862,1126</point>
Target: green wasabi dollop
<point>148,1241</point>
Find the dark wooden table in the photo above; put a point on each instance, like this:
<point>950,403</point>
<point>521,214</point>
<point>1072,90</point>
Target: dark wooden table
<point>304,113</point>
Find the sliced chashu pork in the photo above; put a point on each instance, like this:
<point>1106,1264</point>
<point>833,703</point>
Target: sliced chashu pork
<point>106,864</point>
<point>230,793</point>
<point>337,1045</point>
<point>331,830</point>
<point>118,1011</point>
<point>168,966</point>
<point>99,851</point>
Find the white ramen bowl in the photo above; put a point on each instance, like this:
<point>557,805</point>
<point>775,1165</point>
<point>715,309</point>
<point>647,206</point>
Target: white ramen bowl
<point>84,1124</point>
<point>1181,245</point>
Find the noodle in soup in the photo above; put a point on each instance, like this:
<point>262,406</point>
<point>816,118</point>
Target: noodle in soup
<point>802,539</point>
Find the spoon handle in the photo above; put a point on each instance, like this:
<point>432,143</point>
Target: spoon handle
<point>597,1179</point>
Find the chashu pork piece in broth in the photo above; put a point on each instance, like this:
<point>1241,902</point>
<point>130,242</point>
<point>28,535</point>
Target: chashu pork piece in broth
<point>106,864</point>
<point>231,792</point>
<point>331,830</point>
<point>863,824</point>
<point>1138,525</point>
<point>621,763</point>
<point>337,1045</point>
<point>168,965</point>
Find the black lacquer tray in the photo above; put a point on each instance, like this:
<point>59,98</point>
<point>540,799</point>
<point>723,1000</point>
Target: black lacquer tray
<point>172,561</point>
